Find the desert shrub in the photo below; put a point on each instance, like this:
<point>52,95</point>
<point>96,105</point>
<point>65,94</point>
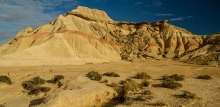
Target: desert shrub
<point>142,75</point>
<point>111,74</point>
<point>113,84</point>
<point>5,79</point>
<point>33,83</point>
<point>170,83</point>
<point>104,81</point>
<point>60,84</point>
<point>131,85</point>
<point>34,86</point>
<point>187,95</point>
<point>145,83</point>
<point>94,76</point>
<point>38,81</point>
<point>38,90</point>
<point>57,78</point>
<point>206,77</point>
<point>175,77</point>
<point>159,103</point>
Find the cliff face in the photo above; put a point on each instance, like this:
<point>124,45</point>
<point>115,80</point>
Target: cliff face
<point>88,35</point>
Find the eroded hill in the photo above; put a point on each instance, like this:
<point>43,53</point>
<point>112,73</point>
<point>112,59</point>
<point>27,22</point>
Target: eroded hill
<point>86,35</point>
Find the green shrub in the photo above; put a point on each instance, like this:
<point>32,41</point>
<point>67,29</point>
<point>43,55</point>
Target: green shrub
<point>206,77</point>
<point>111,74</point>
<point>94,76</point>
<point>142,75</point>
<point>187,95</point>
<point>145,83</point>
<point>5,79</point>
<point>170,83</point>
<point>175,77</point>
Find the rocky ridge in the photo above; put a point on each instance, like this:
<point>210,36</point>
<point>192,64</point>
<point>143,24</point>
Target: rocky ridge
<point>86,35</point>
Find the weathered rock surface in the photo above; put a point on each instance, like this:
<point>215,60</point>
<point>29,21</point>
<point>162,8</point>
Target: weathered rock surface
<point>205,54</point>
<point>88,35</point>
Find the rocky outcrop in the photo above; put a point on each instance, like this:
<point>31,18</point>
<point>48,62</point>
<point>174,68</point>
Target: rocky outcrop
<point>88,35</point>
<point>205,54</point>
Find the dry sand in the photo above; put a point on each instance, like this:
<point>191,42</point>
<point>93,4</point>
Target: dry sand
<point>79,91</point>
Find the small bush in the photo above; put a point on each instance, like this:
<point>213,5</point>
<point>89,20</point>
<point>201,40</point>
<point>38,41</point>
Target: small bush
<point>5,79</point>
<point>187,95</point>
<point>111,74</point>
<point>34,86</point>
<point>94,76</point>
<point>131,85</point>
<point>206,77</point>
<point>145,83</point>
<point>31,84</point>
<point>38,81</point>
<point>175,77</point>
<point>142,75</point>
<point>170,83</point>
<point>57,78</point>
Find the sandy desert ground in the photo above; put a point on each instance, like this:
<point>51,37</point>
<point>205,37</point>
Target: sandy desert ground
<point>79,91</point>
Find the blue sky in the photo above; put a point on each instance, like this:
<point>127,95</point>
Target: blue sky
<point>197,16</point>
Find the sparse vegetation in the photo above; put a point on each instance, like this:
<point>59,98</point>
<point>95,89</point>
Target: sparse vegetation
<point>31,84</point>
<point>142,75</point>
<point>57,78</point>
<point>111,74</point>
<point>5,79</point>
<point>131,85</point>
<point>170,83</point>
<point>206,77</point>
<point>187,95</point>
<point>175,77</point>
<point>147,92</point>
<point>34,86</point>
<point>38,90</point>
<point>113,84</point>
<point>94,76</point>
<point>145,83</point>
<point>159,103</point>
<point>104,81</point>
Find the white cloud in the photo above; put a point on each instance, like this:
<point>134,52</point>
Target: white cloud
<point>16,15</point>
<point>181,18</point>
<point>159,14</point>
<point>157,3</point>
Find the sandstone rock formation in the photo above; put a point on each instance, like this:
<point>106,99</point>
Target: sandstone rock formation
<point>88,35</point>
<point>205,54</point>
